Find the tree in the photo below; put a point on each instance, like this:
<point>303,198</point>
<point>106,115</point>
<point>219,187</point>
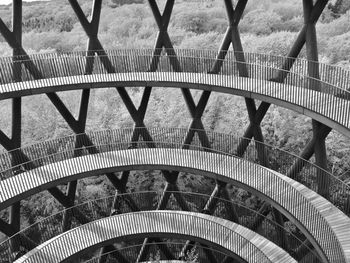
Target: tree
<point>125,2</point>
<point>339,7</point>
<point>261,22</point>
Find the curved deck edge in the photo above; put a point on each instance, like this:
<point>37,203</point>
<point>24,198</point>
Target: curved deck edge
<point>234,239</point>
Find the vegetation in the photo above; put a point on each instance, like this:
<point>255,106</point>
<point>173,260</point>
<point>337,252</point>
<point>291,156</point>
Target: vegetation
<point>191,257</point>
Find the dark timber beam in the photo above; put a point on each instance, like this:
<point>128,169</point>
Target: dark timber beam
<point>312,17</point>
<point>282,74</point>
<point>20,239</point>
<point>163,40</point>
<point>78,126</point>
<point>16,131</point>
<point>249,133</point>
<point>233,36</point>
<point>307,153</point>
<point>307,35</point>
<point>91,29</point>
<point>313,72</point>
<point>71,189</point>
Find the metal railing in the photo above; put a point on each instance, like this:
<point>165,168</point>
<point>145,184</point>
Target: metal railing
<point>328,96</point>
<point>330,74</point>
<point>131,253</point>
<point>148,223</point>
<point>305,212</point>
<point>52,226</point>
<point>47,152</point>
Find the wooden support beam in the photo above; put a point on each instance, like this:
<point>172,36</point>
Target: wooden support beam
<point>16,131</point>
<point>20,239</point>
<point>257,133</point>
<point>313,72</point>
<point>230,208</point>
<point>163,40</point>
<point>233,36</point>
<point>323,180</point>
<point>71,189</point>
<point>306,154</point>
<point>313,17</point>
<point>278,217</point>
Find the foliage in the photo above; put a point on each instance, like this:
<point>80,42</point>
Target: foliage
<point>202,41</point>
<point>261,22</point>
<point>277,43</point>
<point>334,28</point>
<point>124,2</point>
<point>338,48</point>
<point>190,257</point>
<point>339,7</point>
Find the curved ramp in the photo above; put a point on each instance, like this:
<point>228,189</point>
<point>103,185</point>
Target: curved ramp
<point>323,224</point>
<point>325,106</point>
<point>233,239</point>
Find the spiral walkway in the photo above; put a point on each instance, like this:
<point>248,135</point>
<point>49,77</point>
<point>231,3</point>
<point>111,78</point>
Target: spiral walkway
<point>232,238</point>
<point>324,225</point>
<point>319,99</point>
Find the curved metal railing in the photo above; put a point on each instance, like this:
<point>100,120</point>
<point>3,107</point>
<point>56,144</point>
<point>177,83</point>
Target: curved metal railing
<point>49,227</point>
<point>131,253</point>
<point>330,74</point>
<point>328,97</point>
<point>319,227</point>
<point>228,236</point>
<point>47,152</point>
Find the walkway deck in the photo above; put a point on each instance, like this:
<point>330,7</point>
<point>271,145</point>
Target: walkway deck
<point>326,106</point>
<point>324,225</point>
<point>209,230</point>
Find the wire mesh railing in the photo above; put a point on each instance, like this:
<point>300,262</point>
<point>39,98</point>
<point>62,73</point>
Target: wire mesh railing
<point>305,172</point>
<point>284,79</point>
<point>52,226</point>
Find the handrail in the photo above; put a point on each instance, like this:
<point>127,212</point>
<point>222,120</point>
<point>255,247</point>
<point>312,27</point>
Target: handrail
<point>277,159</point>
<point>48,227</point>
<point>228,236</point>
<point>311,223</point>
<point>131,253</point>
<point>202,52</point>
<point>327,97</point>
<point>151,56</point>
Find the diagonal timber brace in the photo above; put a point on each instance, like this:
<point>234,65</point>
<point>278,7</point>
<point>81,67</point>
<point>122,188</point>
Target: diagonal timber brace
<point>282,74</point>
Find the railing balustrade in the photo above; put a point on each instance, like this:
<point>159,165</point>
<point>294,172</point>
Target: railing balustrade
<point>131,253</point>
<point>313,220</point>
<point>47,228</point>
<point>267,75</point>
<point>278,160</point>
